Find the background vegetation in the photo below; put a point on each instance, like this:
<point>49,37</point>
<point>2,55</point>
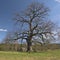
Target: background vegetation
<point>22,48</point>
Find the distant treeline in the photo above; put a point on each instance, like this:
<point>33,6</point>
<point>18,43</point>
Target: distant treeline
<point>22,47</point>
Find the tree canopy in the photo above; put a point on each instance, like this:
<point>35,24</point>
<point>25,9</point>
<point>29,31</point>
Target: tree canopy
<point>34,24</point>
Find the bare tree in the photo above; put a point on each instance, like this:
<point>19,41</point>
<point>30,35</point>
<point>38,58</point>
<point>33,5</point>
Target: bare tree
<point>33,22</point>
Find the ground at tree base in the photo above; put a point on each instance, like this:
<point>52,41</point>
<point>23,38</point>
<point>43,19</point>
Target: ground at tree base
<point>49,55</point>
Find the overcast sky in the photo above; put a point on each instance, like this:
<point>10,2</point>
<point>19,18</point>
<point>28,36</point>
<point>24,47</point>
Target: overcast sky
<point>9,7</point>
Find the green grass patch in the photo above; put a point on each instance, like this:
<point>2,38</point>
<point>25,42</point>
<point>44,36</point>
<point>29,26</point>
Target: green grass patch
<point>49,55</point>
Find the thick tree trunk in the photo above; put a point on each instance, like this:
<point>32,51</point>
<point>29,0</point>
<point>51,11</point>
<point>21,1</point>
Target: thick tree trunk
<point>29,45</point>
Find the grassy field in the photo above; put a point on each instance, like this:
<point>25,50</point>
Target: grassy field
<point>50,55</point>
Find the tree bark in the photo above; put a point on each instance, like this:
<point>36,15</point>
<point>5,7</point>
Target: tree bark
<point>29,45</point>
